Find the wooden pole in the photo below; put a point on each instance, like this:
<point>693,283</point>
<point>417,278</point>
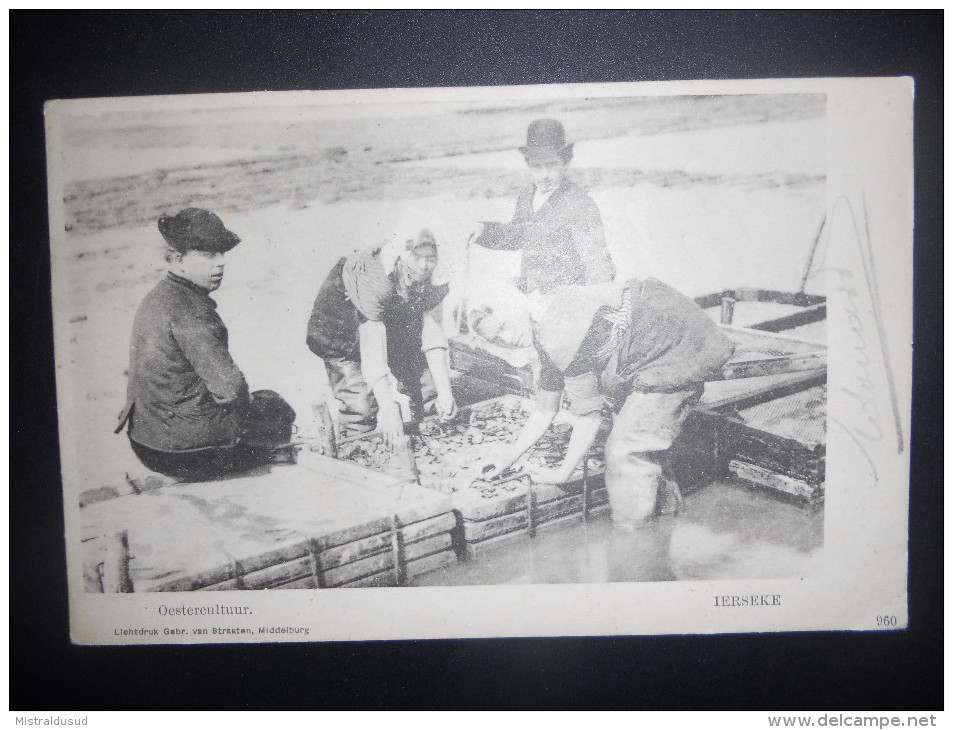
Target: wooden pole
<point>530,509</point>
<point>397,548</point>
<point>115,577</point>
<point>328,442</point>
<point>810,259</point>
<point>404,457</point>
<point>727,309</point>
<point>585,488</point>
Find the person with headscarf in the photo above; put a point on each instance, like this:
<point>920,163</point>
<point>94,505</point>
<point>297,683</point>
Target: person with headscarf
<point>188,408</point>
<point>376,324</point>
<point>639,350</point>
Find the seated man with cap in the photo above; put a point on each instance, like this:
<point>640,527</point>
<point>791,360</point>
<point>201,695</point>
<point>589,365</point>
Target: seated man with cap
<point>376,324</point>
<point>188,408</point>
<point>639,349</point>
<point>556,225</point>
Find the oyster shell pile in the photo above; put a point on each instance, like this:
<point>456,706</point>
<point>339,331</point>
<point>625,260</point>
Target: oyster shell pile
<point>448,453</point>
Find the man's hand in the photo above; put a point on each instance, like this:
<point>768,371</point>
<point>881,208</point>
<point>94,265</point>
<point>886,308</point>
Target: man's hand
<point>543,475</point>
<point>475,232</point>
<point>491,468</point>
<point>389,423</point>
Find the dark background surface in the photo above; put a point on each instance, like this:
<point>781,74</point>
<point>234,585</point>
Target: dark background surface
<point>75,55</point>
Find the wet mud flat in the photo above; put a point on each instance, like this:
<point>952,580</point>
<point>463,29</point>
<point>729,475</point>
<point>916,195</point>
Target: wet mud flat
<point>726,530</point>
<point>302,196</point>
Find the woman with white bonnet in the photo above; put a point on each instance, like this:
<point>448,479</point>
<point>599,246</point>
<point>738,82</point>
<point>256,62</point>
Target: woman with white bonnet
<point>376,324</point>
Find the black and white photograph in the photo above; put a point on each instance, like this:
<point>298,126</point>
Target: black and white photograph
<point>568,360</point>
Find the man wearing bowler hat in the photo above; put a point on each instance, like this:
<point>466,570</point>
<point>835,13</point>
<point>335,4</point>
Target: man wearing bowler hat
<point>556,225</point>
<point>189,412</point>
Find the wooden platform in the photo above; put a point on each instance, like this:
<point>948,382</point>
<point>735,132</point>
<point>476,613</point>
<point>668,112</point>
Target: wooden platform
<point>525,510</point>
<point>318,523</point>
<point>511,506</point>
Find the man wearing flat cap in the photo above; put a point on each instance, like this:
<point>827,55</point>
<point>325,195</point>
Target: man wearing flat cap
<point>376,325</point>
<point>189,412</point>
<point>556,225</point>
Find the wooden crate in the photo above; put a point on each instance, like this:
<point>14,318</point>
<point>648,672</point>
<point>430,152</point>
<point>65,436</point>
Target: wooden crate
<point>330,524</point>
<point>517,506</point>
<point>487,375</point>
<point>744,431</point>
<point>767,310</point>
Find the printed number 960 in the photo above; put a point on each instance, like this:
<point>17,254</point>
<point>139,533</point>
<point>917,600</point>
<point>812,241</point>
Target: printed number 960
<point>886,620</point>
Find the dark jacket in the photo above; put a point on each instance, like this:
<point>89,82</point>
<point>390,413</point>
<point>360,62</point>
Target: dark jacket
<point>183,387</point>
<point>333,325</point>
<point>669,344</point>
<point>562,243</point>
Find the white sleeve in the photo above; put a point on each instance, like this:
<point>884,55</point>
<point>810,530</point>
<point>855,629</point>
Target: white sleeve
<point>433,337</point>
<point>372,336</point>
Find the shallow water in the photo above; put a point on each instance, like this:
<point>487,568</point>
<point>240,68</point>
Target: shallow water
<point>725,530</point>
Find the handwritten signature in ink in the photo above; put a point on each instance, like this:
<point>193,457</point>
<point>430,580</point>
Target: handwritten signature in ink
<point>855,290</point>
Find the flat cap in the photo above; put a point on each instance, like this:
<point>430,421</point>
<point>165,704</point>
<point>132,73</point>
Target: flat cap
<point>195,229</point>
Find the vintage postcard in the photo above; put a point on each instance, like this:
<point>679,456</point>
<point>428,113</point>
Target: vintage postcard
<point>581,360</point>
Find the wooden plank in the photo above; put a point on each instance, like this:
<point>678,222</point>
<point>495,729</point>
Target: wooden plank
<point>413,568</point>
<point>745,334</point>
<point>384,561</point>
<point>278,574</point>
<point>348,553</point>
<point>268,577</point>
<point>518,536</point>
<point>130,486</point>
<point>477,531</point>
<point>100,494</point>
<point>473,506</point>
<point>229,585</point>
<point>226,572</point>
<point>308,583</point>
<point>808,315</point>
<point>763,390</point>
<point>331,469</point>
<point>773,366</point>
<point>601,508</point>
<point>188,536</point>
<point>514,537</point>
<point>327,438</point>
<point>747,294</point>
<point>302,567</point>
<point>115,571</point>
<point>299,572</point>
<point>776,453</point>
<point>707,301</point>
<point>778,482</point>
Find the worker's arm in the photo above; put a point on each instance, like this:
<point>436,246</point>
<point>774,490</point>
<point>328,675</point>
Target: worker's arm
<point>373,342</point>
<point>202,337</point>
<point>585,409</point>
<point>435,346</point>
<point>584,430</point>
<point>439,363</point>
<point>502,236</point>
<point>536,425</point>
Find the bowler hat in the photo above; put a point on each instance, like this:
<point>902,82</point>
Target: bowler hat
<point>546,138</point>
<point>194,229</point>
